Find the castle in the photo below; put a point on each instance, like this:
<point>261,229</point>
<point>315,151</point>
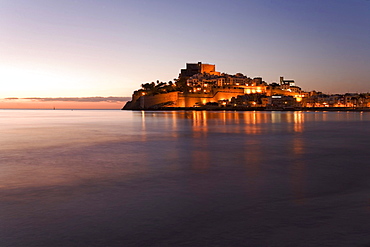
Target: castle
<point>200,85</point>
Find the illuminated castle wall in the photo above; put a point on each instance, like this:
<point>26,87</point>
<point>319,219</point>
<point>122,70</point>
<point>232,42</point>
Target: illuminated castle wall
<point>179,99</point>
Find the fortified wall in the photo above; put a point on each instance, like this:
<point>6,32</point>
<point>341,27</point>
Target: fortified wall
<point>193,100</point>
<point>179,99</point>
<point>160,100</point>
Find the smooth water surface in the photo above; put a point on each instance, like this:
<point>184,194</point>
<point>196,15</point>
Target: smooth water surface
<point>122,178</point>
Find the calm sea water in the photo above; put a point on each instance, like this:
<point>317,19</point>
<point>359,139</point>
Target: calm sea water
<point>121,178</point>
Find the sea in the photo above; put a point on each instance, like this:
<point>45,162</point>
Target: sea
<point>184,178</point>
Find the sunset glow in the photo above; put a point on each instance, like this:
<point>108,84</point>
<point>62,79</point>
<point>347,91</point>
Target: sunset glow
<point>88,49</point>
<point>62,103</point>
<point>29,82</point>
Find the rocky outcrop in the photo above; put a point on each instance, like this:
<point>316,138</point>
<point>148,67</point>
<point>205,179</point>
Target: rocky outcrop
<point>130,105</point>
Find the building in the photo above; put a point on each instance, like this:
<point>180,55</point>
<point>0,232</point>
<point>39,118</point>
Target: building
<point>289,85</point>
<point>198,68</point>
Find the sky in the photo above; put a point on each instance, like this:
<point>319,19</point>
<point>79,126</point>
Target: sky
<point>92,48</point>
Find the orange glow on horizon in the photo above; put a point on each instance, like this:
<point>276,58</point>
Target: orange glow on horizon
<point>34,104</point>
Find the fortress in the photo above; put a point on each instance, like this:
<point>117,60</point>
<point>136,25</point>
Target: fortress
<point>200,85</point>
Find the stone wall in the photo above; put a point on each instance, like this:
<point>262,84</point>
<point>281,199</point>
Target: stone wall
<point>177,99</point>
<point>191,100</point>
<point>166,99</point>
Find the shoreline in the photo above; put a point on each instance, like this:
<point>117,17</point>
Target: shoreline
<point>314,109</point>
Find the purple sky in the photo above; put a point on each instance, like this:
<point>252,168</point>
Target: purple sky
<point>108,48</point>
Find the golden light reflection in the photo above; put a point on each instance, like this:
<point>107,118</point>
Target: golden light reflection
<point>143,127</point>
<point>174,121</point>
<point>249,122</point>
<point>298,121</point>
<point>200,121</point>
<point>236,118</point>
<point>275,117</point>
<point>143,120</point>
<point>224,117</point>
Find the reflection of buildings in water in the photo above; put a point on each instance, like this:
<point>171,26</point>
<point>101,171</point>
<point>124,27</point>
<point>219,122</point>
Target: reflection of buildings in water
<point>254,117</point>
<point>262,117</point>
<point>236,117</point>
<point>325,116</point>
<point>250,117</point>
<point>243,122</point>
<point>143,120</point>
<point>143,127</point>
<point>289,117</point>
<point>174,121</point>
<point>200,119</point>
<point>298,171</point>
<point>252,121</point>
<point>295,120</point>
<point>275,117</point>
<point>298,121</point>
<point>248,122</point>
<point>171,122</point>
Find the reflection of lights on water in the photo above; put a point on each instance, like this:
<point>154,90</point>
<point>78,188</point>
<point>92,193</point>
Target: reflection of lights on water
<point>174,121</point>
<point>199,120</point>
<point>143,119</point>
<point>275,117</point>
<point>298,121</point>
